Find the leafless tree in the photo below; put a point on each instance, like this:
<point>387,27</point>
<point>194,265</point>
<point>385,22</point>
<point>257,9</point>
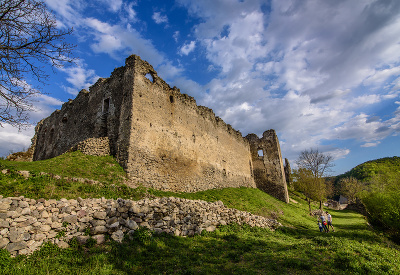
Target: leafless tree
<point>29,40</point>
<point>318,166</point>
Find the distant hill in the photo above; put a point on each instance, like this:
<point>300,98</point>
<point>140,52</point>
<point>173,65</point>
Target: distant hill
<point>388,167</point>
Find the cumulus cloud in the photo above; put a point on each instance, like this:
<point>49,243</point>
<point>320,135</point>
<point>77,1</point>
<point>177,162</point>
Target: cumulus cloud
<point>316,71</point>
<point>302,68</point>
<point>118,41</point>
<point>187,48</point>
<point>79,77</point>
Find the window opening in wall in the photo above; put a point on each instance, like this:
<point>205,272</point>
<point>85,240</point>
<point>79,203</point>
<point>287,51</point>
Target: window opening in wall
<point>149,77</point>
<point>171,99</point>
<point>260,153</point>
<point>106,105</point>
<point>104,118</point>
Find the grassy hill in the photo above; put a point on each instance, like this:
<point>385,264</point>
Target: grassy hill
<point>296,248</point>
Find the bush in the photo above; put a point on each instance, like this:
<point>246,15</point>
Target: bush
<point>383,209</point>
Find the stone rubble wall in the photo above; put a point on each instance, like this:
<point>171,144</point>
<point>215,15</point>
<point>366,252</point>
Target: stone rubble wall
<point>25,224</point>
<point>93,147</point>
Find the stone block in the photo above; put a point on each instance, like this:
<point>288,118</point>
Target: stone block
<point>101,215</point>
<point>3,242</point>
<point>16,246</point>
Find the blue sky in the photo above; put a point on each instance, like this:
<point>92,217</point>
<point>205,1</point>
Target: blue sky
<point>323,74</point>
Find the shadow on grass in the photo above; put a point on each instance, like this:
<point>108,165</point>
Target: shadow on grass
<point>210,254</point>
<point>230,250</point>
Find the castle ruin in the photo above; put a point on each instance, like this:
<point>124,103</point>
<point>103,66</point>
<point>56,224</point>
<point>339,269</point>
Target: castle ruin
<point>160,136</point>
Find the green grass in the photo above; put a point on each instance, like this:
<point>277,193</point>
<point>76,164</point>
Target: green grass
<point>75,164</point>
<point>296,248</point>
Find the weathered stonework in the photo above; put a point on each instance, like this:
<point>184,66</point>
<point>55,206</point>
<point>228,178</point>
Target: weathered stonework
<point>269,174</point>
<point>160,136</point>
<point>93,146</point>
<point>25,224</point>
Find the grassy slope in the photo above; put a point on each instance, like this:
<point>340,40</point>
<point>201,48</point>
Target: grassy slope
<point>297,248</point>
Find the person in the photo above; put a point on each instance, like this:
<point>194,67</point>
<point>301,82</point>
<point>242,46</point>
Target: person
<point>323,221</point>
<point>329,221</point>
<point>321,228</point>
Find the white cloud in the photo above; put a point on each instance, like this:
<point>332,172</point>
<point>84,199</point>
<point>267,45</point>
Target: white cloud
<point>371,144</point>
<point>132,15</point>
<point>176,36</point>
<point>114,5</point>
<point>301,68</point>
<point>158,18</point>
<point>380,76</point>
<point>316,71</point>
<point>80,77</point>
<point>187,48</point>
<point>338,153</point>
<point>118,41</point>
<point>12,140</point>
<point>169,72</point>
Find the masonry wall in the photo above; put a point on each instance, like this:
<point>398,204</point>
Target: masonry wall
<point>25,224</point>
<point>177,145</point>
<point>268,167</point>
<point>91,115</point>
<point>160,136</point>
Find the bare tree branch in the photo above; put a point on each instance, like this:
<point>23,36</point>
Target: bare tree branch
<point>29,40</point>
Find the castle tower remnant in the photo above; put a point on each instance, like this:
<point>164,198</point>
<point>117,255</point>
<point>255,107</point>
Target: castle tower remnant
<point>269,174</point>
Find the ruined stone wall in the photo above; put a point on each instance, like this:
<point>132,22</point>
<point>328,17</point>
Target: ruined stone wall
<point>160,136</point>
<point>269,174</point>
<point>91,115</point>
<point>25,224</point>
<point>177,145</point>
<point>93,147</point>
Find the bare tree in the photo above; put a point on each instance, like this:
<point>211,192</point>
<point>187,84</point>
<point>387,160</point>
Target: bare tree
<point>29,39</point>
<point>317,165</point>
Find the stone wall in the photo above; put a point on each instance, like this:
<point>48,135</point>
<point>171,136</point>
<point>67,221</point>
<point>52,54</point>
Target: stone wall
<point>160,136</point>
<point>93,147</point>
<point>26,223</point>
<point>90,115</point>
<point>179,146</point>
<point>269,173</point>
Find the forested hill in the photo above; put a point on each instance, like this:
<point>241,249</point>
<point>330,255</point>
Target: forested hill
<point>388,168</point>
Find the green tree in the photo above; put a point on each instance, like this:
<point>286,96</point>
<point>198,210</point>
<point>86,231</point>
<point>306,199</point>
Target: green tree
<point>351,188</point>
<point>305,183</point>
<point>313,166</point>
<point>29,39</point>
